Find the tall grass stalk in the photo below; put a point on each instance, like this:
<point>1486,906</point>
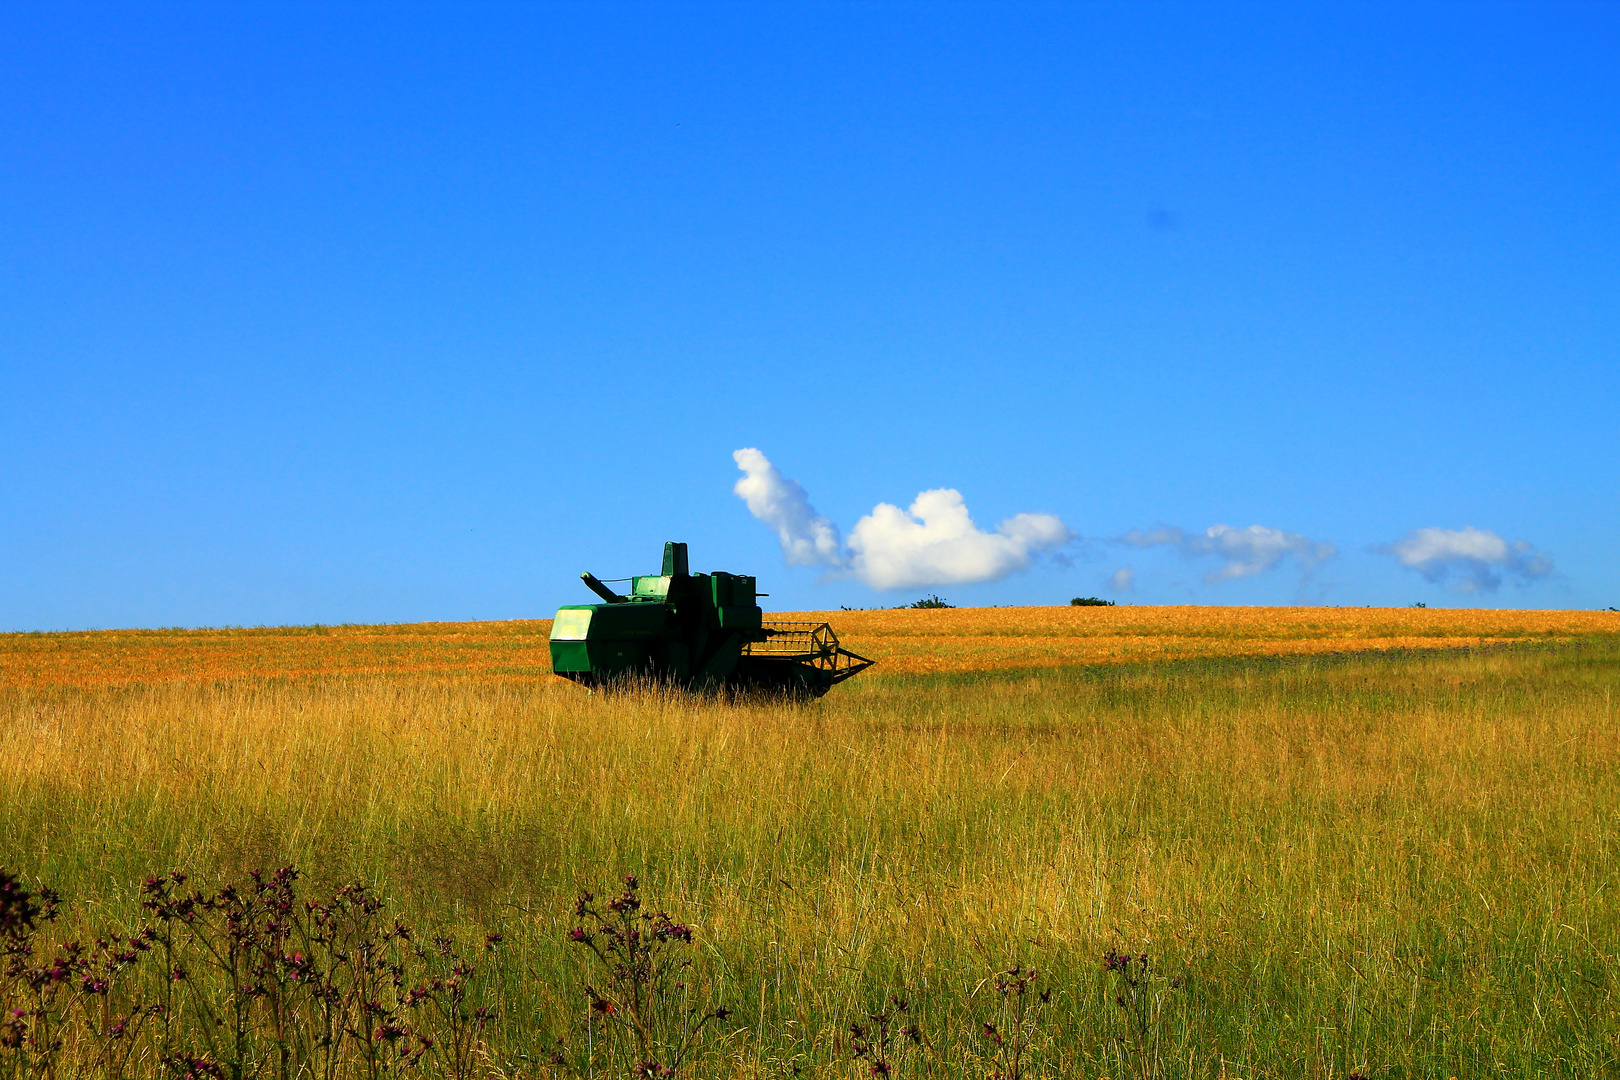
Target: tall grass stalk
<point>1392,866</point>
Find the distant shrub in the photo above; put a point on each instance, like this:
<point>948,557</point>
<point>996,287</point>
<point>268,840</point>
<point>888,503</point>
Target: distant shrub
<point>1090,601</point>
<point>929,601</point>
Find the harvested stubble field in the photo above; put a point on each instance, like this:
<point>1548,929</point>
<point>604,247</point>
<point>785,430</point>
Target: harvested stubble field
<point>909,642</point>
<point>1368,857</point>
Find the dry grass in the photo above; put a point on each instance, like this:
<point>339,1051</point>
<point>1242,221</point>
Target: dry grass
<point>1404,866</point>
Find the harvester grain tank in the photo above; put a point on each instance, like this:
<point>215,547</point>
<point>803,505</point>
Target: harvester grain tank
<point>695,631</point>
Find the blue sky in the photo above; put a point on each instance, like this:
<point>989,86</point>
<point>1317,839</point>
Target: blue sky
<point>385,314</point>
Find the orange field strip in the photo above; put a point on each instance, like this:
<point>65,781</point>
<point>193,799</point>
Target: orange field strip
<point>903,642</point>
<point>968,639</point>
<point>122,657</point>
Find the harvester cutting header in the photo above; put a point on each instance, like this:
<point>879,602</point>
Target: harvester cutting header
<point>698,632</point>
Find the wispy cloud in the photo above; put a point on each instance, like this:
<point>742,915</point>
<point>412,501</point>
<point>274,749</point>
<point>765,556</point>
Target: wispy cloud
<point>1467,559</point>
<point>1122,580</point>
<point>808,539</point>
<point>933,542</point>
<point>1243,552</point>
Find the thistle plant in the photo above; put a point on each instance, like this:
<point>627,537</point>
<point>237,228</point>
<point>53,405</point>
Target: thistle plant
<point>455,1004</point>
<point>32,993</point>
<point>1139,996</point>
<point>79,991</point>
<point>887,1040</point>
<point>643,1001</point>
<point>1013,1035</point>
<point>274,985</point>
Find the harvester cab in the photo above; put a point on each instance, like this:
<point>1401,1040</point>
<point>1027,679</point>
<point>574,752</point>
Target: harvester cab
<point>697,632</point>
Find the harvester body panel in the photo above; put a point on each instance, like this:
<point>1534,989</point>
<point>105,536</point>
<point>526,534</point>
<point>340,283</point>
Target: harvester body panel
<point>695,631</point>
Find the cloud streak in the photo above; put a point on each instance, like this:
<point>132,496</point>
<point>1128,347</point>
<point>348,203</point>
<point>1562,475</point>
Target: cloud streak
<point>1243,552</point>
<point>1467,559</point>
<point>807,538</point>
<point>932,542</point>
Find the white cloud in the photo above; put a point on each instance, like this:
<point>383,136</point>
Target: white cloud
<point>934,542</point>
<point>1256,548</point>
<point>1245,552</point>
<point>1123,580</point>
<point>1159,534</point>
<point>1471,558</point>
<point>808,539</point>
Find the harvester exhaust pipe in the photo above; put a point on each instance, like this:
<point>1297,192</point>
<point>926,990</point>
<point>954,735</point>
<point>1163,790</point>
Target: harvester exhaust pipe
<point>593,583</point>
<point>675,563</point>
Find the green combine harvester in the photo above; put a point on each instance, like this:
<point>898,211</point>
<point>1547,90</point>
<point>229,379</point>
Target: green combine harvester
<point>699,632</point>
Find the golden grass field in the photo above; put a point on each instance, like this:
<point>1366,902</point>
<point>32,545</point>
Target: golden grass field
<point>905,641</point>
<point>1387,855</point>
